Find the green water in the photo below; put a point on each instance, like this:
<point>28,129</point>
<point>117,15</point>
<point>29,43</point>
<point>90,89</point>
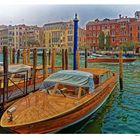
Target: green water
<point>121,113</point>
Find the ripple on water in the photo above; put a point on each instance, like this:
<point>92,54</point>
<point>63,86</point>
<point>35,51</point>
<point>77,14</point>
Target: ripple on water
<point>121,112</point>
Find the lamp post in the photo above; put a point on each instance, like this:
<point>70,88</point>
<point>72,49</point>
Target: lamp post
<point>75,41</point>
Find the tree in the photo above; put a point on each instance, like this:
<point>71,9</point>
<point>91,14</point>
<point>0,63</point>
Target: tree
<point>101,39</point>
<point>107,42</point>
<point>128,46</point>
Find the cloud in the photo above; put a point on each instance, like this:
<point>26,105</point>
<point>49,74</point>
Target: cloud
<point>41,14</point>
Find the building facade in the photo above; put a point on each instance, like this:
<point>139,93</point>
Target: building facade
<point>116,29</point>
<point>134,29</point>
<point>61,35</point>
<point>21,36</point>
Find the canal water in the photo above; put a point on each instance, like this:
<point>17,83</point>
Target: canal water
<point>121,113</point>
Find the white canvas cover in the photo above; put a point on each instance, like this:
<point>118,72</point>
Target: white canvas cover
<point>70,77</point>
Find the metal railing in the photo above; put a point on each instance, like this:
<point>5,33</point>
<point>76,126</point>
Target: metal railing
<point>17,86</point>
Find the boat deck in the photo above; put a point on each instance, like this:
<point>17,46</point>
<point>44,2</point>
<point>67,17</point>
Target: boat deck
<point>95,71</point>
<point>41,106</point>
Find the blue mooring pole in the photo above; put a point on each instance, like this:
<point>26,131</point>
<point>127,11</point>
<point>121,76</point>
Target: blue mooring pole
<point>75,41</point>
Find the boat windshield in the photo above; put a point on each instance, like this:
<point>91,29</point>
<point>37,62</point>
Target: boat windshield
<point>67,90</point>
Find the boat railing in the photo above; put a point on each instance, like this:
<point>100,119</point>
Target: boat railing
<point>16,86</point>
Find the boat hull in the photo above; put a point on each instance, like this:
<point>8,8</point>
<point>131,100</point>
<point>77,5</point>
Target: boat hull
<point>110,60</point>
<point>74,116</point>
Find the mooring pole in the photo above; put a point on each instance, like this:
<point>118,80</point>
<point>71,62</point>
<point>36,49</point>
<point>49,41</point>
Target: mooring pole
<point>18,56</point>
<point>121,68</point>
<point>49,59</point>
<point>63,59</point>
<point>85,58</point>
<point>44,61</point>
<point>11,56</point>
<point>53,59</point>
<point>24,56</point>
<point>34,66</point>
<point>5,68</point>
<point>78,59</point>
<point>66,59</point>
<point>14,50</point>
<point>28,56</point>
<point>75,41</point>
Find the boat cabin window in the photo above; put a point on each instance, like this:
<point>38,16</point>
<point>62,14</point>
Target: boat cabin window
<point>68,90</point>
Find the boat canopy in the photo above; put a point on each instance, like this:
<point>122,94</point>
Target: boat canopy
<point>17,68</point>
<point>70,77</point>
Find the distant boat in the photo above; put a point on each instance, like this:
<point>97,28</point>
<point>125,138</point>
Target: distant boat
<point>94,55</point>
<point>64,99</point>
<point>109,60</point>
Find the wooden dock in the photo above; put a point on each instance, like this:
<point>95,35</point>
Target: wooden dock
<point>13,90</point>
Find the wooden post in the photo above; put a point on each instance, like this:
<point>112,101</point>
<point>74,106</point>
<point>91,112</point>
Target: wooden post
<point>53,60</point>
<point>34,66</point>
<point>66,59</point>
<point>63,59</point>
<point>78,59</point>
<point>5,67</point>
<point>24,56</point>
<point>28,56</point>
<point>11,56</point>
<point>49,59</point>
<point>121,68</point>
<point>79,92</point>
<point>14,50</point>
<point>18,56</point>
<point>85,58</point>
<point>44,61</point>
<point>75,41</point>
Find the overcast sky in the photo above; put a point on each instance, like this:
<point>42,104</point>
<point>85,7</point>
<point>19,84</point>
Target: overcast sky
<point>41,14</point>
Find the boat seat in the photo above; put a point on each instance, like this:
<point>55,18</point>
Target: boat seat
<point>63,90</point>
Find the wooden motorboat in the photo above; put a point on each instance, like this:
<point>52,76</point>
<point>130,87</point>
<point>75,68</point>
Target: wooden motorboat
<point>65,98</point>
<point>109,60</point>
